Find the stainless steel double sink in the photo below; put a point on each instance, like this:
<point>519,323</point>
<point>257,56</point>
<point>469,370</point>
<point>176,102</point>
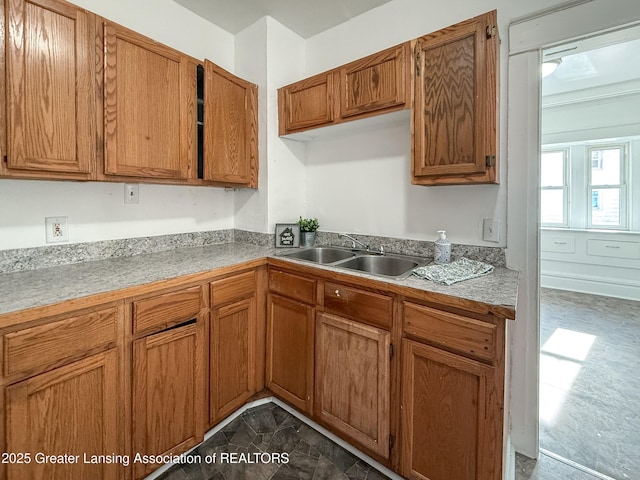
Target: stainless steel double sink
<point>387,265</point>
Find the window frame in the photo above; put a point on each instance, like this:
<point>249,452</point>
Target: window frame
<point>566,187</point>
<point>623,186</point>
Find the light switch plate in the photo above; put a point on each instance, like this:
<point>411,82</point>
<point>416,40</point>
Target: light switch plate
<point>57,229</point>
<point>491,230</point>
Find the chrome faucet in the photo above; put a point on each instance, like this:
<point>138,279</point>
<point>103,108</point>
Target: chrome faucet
<point>353,241</point>
<point>365,247</point>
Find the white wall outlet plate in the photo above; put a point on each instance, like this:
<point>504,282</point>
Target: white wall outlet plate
<point>131,193</point>
<point>57,229</point>
<point>491,230</point>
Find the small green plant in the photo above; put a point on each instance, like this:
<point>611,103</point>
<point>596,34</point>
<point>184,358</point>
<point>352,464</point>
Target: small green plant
<point>308,224</point>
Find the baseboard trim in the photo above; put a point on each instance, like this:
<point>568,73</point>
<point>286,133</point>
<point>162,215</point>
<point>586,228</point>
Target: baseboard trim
<point>594,285</point>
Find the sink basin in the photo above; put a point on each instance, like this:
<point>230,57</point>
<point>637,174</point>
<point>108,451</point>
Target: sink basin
<point>388,266</point>
<point>322,254</point>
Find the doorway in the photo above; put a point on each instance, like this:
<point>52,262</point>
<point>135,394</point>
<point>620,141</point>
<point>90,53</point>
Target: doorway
<point>589,237</point>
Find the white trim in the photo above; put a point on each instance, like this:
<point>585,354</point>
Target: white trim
<point>527,38</point>
<point>350,448</point>
<point>573,20</point>
<point>574,282</point>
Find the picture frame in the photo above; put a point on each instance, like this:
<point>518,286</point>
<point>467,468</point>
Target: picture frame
<point>287,235</point>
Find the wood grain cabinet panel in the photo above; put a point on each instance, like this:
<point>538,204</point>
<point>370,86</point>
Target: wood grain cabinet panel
<point>306,104</point>
<point>290,337</point>
<point>161,311</point>
<point>72,410</point>
<point>353,381</point>
<point>50,94</point>
<point>232,344</point>
<point>230,128</point>
<point>455,108</point>
<point>374,83</point>
<point>35,349</point>
<point>168,393</point>
<point>449,427</point>
<point>149,107</point>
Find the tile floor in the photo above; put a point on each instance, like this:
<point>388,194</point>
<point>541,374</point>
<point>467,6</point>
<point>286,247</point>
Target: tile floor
<point>548,468</point>
<point>590,386</point>
<point>269,429</point>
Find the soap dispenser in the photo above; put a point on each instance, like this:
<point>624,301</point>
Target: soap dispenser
<point>442,252</point>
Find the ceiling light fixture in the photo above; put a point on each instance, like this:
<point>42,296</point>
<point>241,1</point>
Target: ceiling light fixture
<point>549,66</point>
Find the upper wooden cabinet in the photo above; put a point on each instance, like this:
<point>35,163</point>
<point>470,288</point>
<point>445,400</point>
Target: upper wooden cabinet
<point>230,128</point>
<point>50,90</point>
<point>374,84</point>
<point>455,111</point>
<point>149,107</point>
<point>306,104</point>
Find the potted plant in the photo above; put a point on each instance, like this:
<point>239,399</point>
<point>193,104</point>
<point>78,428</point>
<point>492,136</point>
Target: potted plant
<point>308,228</point>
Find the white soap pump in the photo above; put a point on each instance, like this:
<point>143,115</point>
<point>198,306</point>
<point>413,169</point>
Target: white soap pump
<point>442,252</point>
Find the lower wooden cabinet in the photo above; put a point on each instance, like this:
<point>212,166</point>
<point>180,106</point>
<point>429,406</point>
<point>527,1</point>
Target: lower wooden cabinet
<point>232,344</point>
<point>290,351</point>
<point>168,393</point>
<point>446,410</point>
<point>353,381</point>
<point>71,410</point>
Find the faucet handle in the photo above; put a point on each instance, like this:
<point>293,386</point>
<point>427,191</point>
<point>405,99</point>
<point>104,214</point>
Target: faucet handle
<point>381,249</point>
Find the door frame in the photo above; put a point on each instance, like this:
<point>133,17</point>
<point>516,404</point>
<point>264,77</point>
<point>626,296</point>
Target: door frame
<point>527,38</point>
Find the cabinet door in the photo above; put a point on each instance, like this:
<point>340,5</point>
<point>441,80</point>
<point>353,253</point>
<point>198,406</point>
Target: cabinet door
<point>353,380</point>
<point>377,82</point>
<point>290,351</point>
<point>150,114</point>
<point>306,104</point>
<point>232,357</point>
<point>71,410</point>
<point>445,409</point>
<point>50,78</point>
<point>168,393</point>
<point>454,117</point>
<point>230,128</point>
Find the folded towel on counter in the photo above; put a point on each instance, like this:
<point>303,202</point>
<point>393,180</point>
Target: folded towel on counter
<point>456,271</point>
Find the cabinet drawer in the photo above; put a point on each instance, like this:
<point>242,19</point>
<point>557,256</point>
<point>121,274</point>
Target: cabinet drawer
<point>613,248</point>
<point>367,307</point>
<point>39,348</point>
<point>292,286</point>
<point>167,309</point>
<point>233,288</point>
<point>464,335</point>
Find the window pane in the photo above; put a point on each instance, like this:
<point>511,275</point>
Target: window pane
<point>605,166</point>
<point>552,169</point>
<point>605,206</point>
<point>552,206</point>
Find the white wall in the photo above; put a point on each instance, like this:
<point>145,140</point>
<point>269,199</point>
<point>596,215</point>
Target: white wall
<point>361,183</point>
<point>97,211</point>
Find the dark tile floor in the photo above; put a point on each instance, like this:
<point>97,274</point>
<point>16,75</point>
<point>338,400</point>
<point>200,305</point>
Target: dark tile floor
<point>260,435</point>
<point>589,383</point>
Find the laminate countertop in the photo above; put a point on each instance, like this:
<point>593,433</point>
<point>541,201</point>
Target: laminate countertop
<point>47,286</point>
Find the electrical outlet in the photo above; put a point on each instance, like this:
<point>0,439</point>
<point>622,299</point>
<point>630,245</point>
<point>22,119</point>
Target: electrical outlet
<point>57,229</point>
<point>491,230</point>
<point>131,193</point>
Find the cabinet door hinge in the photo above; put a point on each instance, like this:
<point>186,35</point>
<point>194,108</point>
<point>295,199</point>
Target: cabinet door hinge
<point>417,64</point>
<point>491,31</point>
<point>391,350</point>
<point>490,160</point>
<point>390,442</point>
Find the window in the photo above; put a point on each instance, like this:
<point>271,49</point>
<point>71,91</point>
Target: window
<point>607,188</point>
<point>555,190</point>
<point>589,185</point>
